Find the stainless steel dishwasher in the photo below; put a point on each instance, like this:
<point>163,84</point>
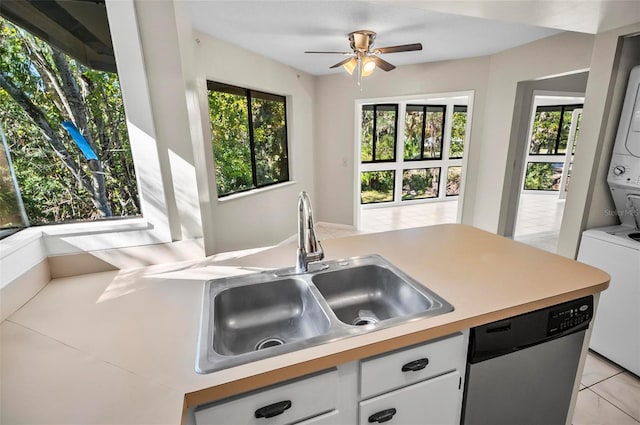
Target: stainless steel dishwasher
<point>522,370</point>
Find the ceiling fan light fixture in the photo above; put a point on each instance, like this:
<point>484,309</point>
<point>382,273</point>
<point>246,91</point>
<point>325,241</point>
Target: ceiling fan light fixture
<point>368,66</point>
<point>350,66</point>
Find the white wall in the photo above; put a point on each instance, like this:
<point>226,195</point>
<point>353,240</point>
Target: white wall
<point>560,54</point>
<point>588,200</point>
<point>267,216</point>
<point>524,104</point>
<point>335,123</point>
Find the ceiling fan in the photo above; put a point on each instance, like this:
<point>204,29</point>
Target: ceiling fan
<point>365,57</point>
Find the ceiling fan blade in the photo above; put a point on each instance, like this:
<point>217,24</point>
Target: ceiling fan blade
<point>333,53</point>
<point>339,64</point>
<point>401,48</point>
<point>382,64</point>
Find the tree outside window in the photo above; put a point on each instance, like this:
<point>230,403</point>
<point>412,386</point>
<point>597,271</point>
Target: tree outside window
<point>249,136</point>
<point>66,133</point>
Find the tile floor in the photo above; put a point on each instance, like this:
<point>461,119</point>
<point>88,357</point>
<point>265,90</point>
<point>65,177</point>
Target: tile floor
<point>538,221</point>
<point>609,395</point>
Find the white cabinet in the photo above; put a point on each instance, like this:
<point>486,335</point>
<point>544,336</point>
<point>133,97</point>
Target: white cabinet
<point>420,384</point>
<point>409,365</point>
<point>434,401</point>
<point>284,404</point>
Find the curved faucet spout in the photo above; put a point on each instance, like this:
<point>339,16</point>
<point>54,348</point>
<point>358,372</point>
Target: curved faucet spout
<point>309,247</point>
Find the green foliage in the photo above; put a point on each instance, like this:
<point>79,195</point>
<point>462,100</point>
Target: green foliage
<point>420,183</point>
<point>458,127</point>
<point>376,186</point>
<point>543,176</point>
<point>412,133</point>
<point>454,178</point>
<point>545,132</point>
<point>385,137</point>
<point>9,207</point>
<point>50,192</point>
<point>230,133</point>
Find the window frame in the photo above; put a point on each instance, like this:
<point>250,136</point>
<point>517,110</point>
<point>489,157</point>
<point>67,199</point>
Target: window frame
<point>425,108</point>
<point>374,137</point>
<point>466,109</point>
<point>247,93</point>
<point>553,108</point>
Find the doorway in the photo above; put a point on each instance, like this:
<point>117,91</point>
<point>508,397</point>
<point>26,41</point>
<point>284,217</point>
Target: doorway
<point>554,128</point>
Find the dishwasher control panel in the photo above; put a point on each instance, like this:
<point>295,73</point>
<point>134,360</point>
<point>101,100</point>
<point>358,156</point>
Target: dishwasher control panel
<point>570,315</point>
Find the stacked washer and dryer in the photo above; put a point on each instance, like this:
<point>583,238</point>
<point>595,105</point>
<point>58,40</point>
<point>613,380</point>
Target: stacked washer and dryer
<point>616,249</point>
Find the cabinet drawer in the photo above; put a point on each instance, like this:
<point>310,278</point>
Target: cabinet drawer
<point>435,401</point>
<point>385,372</point>
<point>295,400</point>
<point>331,418</point>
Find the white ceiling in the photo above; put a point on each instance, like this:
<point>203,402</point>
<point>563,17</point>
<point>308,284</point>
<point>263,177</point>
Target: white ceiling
<point>283,30</point>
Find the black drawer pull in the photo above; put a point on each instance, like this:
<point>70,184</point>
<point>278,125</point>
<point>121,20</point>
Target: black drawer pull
<point>274,409</point>
<point>382,416</point>
<point>415,365</point>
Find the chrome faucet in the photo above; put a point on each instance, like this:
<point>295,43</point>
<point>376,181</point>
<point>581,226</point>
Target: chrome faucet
<point>309,248</point>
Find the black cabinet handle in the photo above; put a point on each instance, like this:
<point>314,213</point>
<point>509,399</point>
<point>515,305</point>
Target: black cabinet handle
<point>382,416</point>
<point>415,365</point>
<point>274,409</point>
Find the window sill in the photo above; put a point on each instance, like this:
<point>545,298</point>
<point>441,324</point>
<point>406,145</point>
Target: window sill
<point>249,193</point>
<point>25,249</point>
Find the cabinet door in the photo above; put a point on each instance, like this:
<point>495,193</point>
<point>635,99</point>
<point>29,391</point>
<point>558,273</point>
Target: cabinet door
<point>435,401</point>
<point>278,405</point>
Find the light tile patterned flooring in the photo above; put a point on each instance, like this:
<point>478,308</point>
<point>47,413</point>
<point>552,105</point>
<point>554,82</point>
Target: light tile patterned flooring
<point>609,395</point>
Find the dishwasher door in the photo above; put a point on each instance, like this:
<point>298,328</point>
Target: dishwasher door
<point>522,370</point>
<point>529,386</point>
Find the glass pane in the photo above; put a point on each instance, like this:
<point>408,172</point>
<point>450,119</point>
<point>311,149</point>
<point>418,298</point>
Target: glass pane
<point>564,133</point>
<point>543,176</point>
<point>385,133</point>
<point>366,149</point>
<point>413,131</point>
<point>377,186</point>
<point>269,139</point>
<point>454,177</point>
<point>420,183</point>
<point>458,127</point>
<point>545,131</point>
<point>575,142</point>
<point>69,144</point>
<point>10,214</point>
<point>433,132</point>
<point>230,138</point>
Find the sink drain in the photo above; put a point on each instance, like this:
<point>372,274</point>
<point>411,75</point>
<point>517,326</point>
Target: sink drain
<point>365,317</point>
<point>269,342</point>
<point>635,236</point>
<point>362,321</point>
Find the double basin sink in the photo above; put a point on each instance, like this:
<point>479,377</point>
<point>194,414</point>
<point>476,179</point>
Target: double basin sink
<point>251,317</point>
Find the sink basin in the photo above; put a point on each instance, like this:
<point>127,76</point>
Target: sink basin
<point>370,294</point>
<point>264,315</point>
<point>251,317</point>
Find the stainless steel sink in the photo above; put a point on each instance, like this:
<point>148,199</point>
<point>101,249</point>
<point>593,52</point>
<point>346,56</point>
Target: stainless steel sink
<point>371,294</point>
<point>264,315</point>
<point>255,316</point>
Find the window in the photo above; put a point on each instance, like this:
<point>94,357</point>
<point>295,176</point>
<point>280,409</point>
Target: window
<point>65,128</point>
<point>423,132</point>
<point>551,129</point>
<point>551,147</point>
<point>378,127</point>
<point>420,183</point>
<point>377,186</point>
<point>249,136</point>
<point>430,152</point>
<point>458,126</point>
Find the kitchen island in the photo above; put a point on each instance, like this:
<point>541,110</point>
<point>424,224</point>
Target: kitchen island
<point>120,346</point>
